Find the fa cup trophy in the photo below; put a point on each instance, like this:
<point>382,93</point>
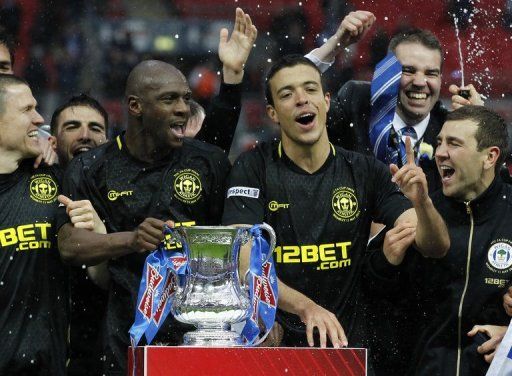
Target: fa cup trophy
<point>193,274</point>
<point>212,297</point>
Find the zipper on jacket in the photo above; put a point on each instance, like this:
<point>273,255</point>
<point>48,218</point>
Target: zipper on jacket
<point>468,262</point>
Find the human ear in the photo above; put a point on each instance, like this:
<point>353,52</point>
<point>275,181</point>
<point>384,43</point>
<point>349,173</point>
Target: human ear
<point>272,114</point>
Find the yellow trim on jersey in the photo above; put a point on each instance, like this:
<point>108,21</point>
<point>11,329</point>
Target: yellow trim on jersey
<point>119,142</point>
<point>280,149</point>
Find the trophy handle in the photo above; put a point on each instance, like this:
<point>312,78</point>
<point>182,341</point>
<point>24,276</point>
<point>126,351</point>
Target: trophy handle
<point>272,234</point>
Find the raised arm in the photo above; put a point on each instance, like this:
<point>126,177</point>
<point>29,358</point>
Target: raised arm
<point>351,30</point>
<point>432,238</point>
<point>224,110</point>
<point>234,50</point>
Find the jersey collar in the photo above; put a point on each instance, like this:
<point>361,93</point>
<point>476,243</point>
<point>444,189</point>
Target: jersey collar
<point>121,146</point>
<point>282,155</point>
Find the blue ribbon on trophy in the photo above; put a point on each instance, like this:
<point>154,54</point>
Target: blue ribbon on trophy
<point>166,271</point>
<point>262,290</point>
<point>164,268</point>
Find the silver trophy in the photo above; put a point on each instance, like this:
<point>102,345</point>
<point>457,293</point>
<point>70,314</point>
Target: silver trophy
<point>212,297</point>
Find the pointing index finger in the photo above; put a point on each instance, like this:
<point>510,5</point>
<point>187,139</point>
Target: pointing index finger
<point>64,200</point>
<point>409,152</point>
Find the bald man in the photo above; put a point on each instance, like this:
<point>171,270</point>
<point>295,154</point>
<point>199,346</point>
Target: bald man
<point>144,178</point>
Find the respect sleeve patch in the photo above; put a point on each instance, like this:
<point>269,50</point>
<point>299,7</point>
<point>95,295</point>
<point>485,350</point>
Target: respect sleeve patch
<point>244,192</point>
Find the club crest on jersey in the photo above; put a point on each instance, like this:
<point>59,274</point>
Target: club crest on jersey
<point>43,189</point>
<point>187,186</point>
<point>344,204</point>
<point>499,256</point>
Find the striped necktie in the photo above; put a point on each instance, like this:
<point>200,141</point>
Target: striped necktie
<point>384,95</point>
<point>411,133</point>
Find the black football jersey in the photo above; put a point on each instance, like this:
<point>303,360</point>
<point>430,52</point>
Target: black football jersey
<point>33,280</point>
<point>187,187</point>
<point>322,221</point>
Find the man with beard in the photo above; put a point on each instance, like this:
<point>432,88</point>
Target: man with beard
<point>77,126</point>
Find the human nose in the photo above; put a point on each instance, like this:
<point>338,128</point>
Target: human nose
<point>182,107</point>
<point>302,97</point>
<point>419,79</point>
<point>38,119</point>
<point>84,132</point>
<point>441,151</point>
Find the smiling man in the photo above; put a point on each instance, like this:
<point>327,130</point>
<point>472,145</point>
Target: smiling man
<point>33,281</point>
<point>77,126</point>
<point>421,56</point>
<point>449,296</point>
<point>320,199</point>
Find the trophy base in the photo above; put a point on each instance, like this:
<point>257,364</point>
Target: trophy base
<point>212,338</point>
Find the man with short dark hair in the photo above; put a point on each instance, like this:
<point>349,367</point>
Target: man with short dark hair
<point>33,287</point>
<point>148,176</point>
<point>320,199</point>
<point>418,105</point>
<point>449,296</point>
<point>77,126</point>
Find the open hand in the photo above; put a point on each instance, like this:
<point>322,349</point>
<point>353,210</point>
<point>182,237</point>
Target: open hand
<point>328,325</point>
<point>234,51</point>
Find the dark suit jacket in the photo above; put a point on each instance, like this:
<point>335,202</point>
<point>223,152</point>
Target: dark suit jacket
<point>348,125</point>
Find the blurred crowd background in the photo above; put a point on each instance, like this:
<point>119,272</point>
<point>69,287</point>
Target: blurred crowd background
<point>68,47</point>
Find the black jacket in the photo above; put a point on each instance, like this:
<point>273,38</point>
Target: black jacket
<point>428,293</point>
<point>348,125</point>
<point>472,279</point>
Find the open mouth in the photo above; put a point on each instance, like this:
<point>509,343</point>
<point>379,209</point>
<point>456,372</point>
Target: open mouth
<point>416,95</point>
<point>80,150</point>
<point>178,130</point>
<point>305,119</point>
<point>446,172</point>
<point>33,134</point>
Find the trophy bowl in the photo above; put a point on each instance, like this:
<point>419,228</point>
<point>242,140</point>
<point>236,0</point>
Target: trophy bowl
<point>212,297</point>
